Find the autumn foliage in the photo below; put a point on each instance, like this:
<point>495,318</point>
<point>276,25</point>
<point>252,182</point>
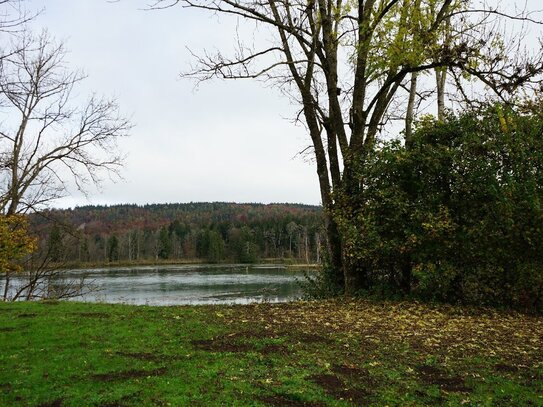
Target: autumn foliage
<point>15,242</point>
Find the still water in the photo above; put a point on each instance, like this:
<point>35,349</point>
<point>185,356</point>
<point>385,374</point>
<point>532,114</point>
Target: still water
<point>191,284</point>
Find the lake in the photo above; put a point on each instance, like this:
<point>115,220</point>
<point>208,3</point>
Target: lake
<point>191,284</point>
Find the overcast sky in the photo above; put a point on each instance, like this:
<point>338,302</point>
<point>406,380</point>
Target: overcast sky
<point>225,141</point>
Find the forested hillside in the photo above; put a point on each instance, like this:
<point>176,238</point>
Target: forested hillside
<point>211,232</point>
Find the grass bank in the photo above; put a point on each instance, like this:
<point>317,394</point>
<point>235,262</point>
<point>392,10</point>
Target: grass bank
<point>300,354</point>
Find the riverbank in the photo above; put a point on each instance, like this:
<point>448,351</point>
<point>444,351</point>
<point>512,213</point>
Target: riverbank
<point>296,354</point>
<point>289,264</point>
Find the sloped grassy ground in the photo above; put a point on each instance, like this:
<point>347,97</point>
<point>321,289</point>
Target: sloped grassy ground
<point>331,353</point>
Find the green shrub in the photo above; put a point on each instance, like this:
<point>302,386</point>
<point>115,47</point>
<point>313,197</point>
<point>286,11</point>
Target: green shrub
<point>458,215</point>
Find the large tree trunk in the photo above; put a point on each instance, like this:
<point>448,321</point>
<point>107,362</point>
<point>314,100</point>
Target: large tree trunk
<point>6,285</point>
<point>410,114</point>
<point>335,251</point>
<point>407,274</point>
<point>441,80</point>
<point>355,274</point>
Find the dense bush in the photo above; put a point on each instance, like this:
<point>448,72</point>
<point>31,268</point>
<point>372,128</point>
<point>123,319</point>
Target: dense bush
<point>457,215</point>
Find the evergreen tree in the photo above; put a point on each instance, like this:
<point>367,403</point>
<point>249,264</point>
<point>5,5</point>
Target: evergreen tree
<point>55,246</point>
<point>164,244</point>
<point>215,248</point>
<point>113,248</point>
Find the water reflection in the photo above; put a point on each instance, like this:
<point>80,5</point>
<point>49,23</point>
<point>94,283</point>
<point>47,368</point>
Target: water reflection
<point>191,284</point>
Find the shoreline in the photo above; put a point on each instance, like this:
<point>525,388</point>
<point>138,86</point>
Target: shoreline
<point>286,263</point>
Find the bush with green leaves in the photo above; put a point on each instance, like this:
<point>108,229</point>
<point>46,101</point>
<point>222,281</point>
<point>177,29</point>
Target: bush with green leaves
<point>457,215</point>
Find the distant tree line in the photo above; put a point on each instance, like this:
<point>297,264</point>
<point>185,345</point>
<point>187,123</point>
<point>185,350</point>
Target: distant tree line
<point>211,232</point>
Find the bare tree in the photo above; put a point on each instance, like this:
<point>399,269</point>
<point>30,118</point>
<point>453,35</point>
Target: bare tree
<point>13,20</point>
<point>44,138</point>
<point>348,64</point>
<point>13,16</point>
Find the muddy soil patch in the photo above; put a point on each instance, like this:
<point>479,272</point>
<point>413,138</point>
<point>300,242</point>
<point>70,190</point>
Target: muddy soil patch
<point>236,342</point>
<point>128,374</point>
<point>221,345</point>
<point>503,368</point>
<point>54,403</point>
<point>335,387</point>
<point>119,403</point>
<point>529,375</point>
<point>307,338</point>
<point>282,401</point>
<point>143,356</point>
<point>274,349</point>
<point>90,314</point>
<point>434,376</point>
<point>122,402</point>
<point>7,329</point>
<point>6,388</point>
<point>250,334</point>
<point>360,376</point>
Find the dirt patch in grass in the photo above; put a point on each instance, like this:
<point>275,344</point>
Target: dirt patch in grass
<point>503,368</point>
<point>529,375</point>
<point>335,387</point>
<point>434,376</point>
<point>128,374</point>
<point>6,388</point>
<point>7,329</point>
<point>308,338</point>
<point>251,334</point>
<point>90,314</point>
<point>281,401</point>
<point>236,342</point>
<point>360,376</point>
<point>54,403</point>
<point>142,356</point>
<point>221,345</point>
<point>330,383</point>
<point>29,315</point>
<point>122,402</point>
<point>274,349</point>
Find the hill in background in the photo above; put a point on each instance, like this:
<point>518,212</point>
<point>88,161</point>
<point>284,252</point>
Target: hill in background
<point>210,232</point>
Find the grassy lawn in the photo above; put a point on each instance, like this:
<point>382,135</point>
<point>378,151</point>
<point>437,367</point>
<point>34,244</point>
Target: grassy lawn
<point>301,354</point>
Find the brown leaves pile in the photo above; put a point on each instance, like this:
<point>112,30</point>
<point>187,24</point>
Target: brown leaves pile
<point>443,330</point>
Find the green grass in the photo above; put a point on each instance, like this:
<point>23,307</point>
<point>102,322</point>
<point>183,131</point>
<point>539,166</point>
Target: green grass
<point>314,354</point>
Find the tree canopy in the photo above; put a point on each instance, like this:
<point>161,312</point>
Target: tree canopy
<point>352,68</point>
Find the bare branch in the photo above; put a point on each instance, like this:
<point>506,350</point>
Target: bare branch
<point>51,134</point>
